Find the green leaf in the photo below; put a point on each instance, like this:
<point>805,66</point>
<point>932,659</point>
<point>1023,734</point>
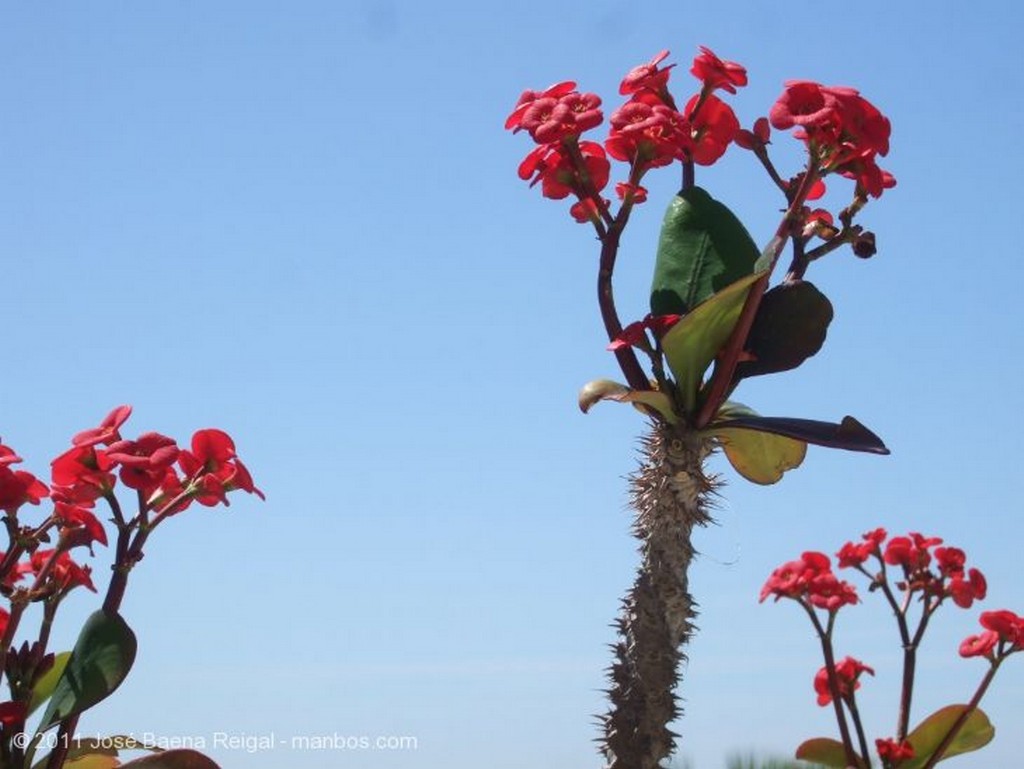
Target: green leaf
<point>976,732</point>
<point>758,456</point>
<point>824,751</point>
<point>607,390</point>
<point>44,686</point>
<point>789,327</point>
<point>101,659</point>
<point>848,434</point>
<point>173,759</point>
<point>692,344</point>
<point>702,249</point>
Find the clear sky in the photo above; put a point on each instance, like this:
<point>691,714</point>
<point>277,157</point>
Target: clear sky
<point>301,222</point>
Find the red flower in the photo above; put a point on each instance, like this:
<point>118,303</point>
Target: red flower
<point>18,487</point>
<point>894,752</point>
<point>5,617</point>
<point>852,554</point>
<point>65,573</point>
<point>911,552</point>
<point>803,103</point>
<point>714,126</point>
<point>717,73</point>
<point>83,465</point>
<point>144,461</point>
<point>980,645</point>
<point>552,166</point>
<point>624,190</point>
<point>514,121</point>
<point>584,211</point>
<point>848,671</point>
<point>1008,625</point>
<point>756,138</point>
<point>74,516</point>
<point>107,432</point>
<point>213,465</point>
<point>810,579</point>
<point>634,335</point>
<point>648,133</point>
<point>647,77</point>
<point>964,592</point>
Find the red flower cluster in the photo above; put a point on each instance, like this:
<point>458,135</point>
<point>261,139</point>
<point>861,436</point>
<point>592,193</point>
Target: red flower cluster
<point>562,164</point>
<point>1002,628</point>
<point>842,129</point>
<point>915,554</point>
<point>648,131</point>
<point>86,472</point>
<point>810,579</point>
<point>848,671</point>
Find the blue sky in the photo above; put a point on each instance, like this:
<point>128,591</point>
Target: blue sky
<point>302,224</point>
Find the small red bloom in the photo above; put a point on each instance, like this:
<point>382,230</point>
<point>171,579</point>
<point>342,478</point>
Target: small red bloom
<point>848,671</point>
<point>965,592</point>
<point>894,752</point>
<point>624,190</point>
<point>634,335</point>
<point>83,465</point>
<point>714,127</point>
<point>647,77</point>
<point>65,572</point>
<point>717,73</point>
<point>584,211</point>
<point>107,432</point>
<point>852,554</point>
<point>1008,625</point>
<point>18,487</point>
<point>980,645</point>
<point>803,103</point>
<point>144,461</point>
<point>74,516</point>
<point>514,121</point>
<point>215,468</point>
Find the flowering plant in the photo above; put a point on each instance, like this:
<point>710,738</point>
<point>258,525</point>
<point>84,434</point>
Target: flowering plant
<point>37,567</point>
<point>714,320</point>
<point>927,575</point>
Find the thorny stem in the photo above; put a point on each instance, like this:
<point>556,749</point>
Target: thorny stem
<point>858,725</point>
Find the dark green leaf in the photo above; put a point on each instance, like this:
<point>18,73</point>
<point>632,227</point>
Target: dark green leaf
<point>848,434</point>
<point>976,732</point>
<point>692,343</point>
<point>702,249</point>
<point>101,659</point>
<point>789,327</point>
<point>173,759</point>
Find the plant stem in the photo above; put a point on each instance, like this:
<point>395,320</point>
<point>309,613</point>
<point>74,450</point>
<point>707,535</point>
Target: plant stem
<point>959,723</point>
<point>670,495</point>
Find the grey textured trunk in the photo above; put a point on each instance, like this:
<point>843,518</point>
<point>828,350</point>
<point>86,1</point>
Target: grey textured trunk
<point>670,495</point>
